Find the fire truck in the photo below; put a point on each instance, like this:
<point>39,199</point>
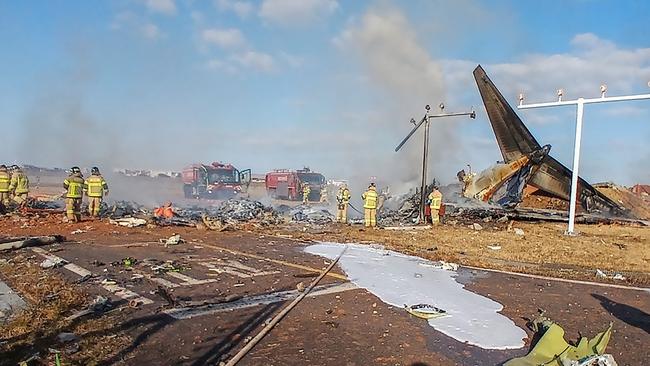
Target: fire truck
<point>214,181</point>
<point>287,184</point>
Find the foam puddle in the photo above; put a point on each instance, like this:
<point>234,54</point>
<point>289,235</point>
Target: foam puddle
<point>399,279</point>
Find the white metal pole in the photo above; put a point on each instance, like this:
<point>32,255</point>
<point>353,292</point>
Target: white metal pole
<point>576,167</point>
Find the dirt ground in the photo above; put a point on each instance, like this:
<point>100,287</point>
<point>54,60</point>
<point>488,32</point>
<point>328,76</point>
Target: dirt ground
<point>203,315</point>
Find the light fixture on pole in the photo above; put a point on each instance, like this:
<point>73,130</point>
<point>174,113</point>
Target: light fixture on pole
<point>425,154</point>
<point>579,103</point>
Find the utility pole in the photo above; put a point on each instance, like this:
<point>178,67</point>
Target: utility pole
<point>426,121</point>
<point>579,103</point>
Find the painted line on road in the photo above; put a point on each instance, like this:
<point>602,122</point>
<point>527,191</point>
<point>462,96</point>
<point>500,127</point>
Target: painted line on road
<point>251,301</point>
<point>189,281</point>
<point>276,261</point>
<point>116,290</point>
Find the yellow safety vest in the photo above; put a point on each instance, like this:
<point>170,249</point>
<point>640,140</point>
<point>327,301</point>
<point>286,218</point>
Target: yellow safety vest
<point>436,200</point>
<point>95,185</point>
<point>19,183</point>
<point>75,187</point>
<point>306,190</point>
<point>370,199</point>
<point>4,181</point>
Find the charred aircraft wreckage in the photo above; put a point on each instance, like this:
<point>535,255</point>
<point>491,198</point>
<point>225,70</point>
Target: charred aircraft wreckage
<point>525,162</point>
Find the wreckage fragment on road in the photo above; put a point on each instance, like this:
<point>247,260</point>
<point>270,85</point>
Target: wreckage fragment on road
<point>553,349</point>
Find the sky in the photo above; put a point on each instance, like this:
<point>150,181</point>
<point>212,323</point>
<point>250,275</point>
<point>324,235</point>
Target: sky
<point>329,84</point>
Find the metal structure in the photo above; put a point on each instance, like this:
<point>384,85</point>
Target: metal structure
<point>580,102</point>
<point>426,121</point>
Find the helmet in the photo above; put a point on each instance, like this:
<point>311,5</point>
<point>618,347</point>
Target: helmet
<point>2,166</point>
<point>75,169</point>
<point>14,167</point>
<point>94,170</point>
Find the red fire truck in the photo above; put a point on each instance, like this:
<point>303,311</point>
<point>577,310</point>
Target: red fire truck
<point>214,181</point>
<point>287,184</point>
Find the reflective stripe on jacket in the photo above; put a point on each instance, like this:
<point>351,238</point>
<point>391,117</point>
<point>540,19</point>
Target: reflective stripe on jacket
<point>4,181</point>
<point>96,185</point>
<point>436,200</point>
<point>19,183</point>
<point>75,186</point>
<point>370,199</point>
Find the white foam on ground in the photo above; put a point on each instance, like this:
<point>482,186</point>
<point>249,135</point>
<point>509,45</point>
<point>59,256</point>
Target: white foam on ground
<point>399,279</point>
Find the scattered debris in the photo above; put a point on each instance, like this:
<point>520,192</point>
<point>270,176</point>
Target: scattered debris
<point>78,231</point>
<point>311,215</point>
<point>614,275</point>
<point>494,247</point>
<point>67,337</point>
<point>53,263</point>
<point>128,222</point>
<point>519,231</point>
<point>476,226</point>
<point>425,311</point>
<point>17,243</point>
<point>172,240</point>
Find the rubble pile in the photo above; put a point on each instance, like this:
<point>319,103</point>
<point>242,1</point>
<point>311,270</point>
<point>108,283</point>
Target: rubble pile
<point>311,215</point>
<point>120,209</point>
<point>400,210</point>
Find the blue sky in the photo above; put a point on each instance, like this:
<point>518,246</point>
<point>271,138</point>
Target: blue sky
<point>325,83</point>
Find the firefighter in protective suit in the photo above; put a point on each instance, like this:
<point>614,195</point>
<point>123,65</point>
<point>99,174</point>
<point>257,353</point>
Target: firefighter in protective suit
<point>323,195</point>
<point>96,189</point>
<point>74,186</point>
<point>306,191</point>
<point>5,178</point>
<point>342,200</point>
<point>19,185</point>
<point>435,202</point>
<point>370,206</point>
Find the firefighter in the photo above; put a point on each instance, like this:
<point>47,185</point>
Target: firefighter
<point>306,190</point>
<point>75,187</point>
<point>5,178</point>
<point>96,188</point>
<point>342,199</point>
<point>370,206</point>
<point>323,195</point>
<point>435,202</point>
<point>19,185</point>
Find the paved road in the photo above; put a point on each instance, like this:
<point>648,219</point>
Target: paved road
<point>229,284</point>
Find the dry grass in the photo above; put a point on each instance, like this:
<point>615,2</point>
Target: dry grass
<point>51,299</point>
<point>543,249</point>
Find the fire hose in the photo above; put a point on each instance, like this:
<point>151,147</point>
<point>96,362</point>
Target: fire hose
<point>354,208</point>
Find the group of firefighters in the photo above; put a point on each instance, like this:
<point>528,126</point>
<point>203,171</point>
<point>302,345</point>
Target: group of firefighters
<point>14,186</point>
<point>370,204</point>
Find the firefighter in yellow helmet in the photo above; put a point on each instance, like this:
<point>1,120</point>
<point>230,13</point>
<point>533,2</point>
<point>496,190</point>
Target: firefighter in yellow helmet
<point>342,200</point>
<point>96,189</point>
<point>74,186</point>
<point>435,202</point>
<point>306,191</point>
<point>370,206</point>
<point>5,178</point>
<point>19,185</point>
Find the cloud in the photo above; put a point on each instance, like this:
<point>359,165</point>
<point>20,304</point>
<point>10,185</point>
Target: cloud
<point>296,12</point>
<point>258,61</point>
<point>167,7</point>
<point>228,38</point>
<point>242,8</point>
<point>150,31</point>
<point>591,62</point>
<point>130,22</point>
